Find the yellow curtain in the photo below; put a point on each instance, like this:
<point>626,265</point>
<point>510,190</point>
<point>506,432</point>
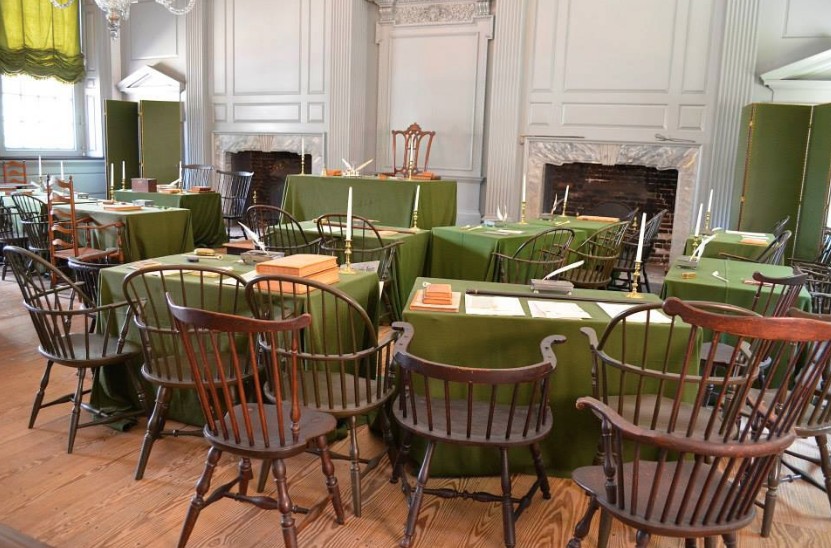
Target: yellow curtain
<point>41,40</point>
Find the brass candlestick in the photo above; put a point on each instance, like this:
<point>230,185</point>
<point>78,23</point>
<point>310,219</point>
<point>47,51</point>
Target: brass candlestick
<point>410,167</point>
<point>123,183</point>
<point>347,255</point>
<point>635,275</point>
<point>111,189</point>
<point>302,164</point>
<point>563,212</point>
<point>696,241</point>
<point>522,220</point>
<point>707,229</point>
<point>415,218</point>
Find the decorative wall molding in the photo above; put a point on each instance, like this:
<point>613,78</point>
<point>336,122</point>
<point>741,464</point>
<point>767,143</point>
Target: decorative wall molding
<point>684,158</point>
<point>431,12</point>
<point>223,143</point>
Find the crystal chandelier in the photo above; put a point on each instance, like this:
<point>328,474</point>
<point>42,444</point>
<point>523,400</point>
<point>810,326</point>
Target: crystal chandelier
<point>117,11</point>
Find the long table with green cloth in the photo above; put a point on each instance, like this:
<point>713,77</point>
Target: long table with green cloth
<point>466,252</point>
<point>462,339</point>
<point>410,256</point>
<point>737,290</point>
<point>730,242</point>
<point>205,212</point>
<point>384,201</point>
<point>149,232</point>
<point>112,389</point>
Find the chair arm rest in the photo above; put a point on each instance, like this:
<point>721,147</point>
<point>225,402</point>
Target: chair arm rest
<point>680,443</point>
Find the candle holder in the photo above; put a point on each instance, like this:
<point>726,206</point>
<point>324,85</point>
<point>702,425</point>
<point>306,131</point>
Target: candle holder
<point>563,212</point>
<point>123,183</point>
<point>302,164</point>
<point>410,167</point>
<point>522,220</point>
<point>635,275</point>
<point>111,190</point>
<point>707,231</point>
<point>696,241</point>
<point>415,219</point>
<point>347,255</point>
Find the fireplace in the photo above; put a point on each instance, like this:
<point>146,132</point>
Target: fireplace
<point>547,153</point>
<point>272,157</point>
<point>646,188</point>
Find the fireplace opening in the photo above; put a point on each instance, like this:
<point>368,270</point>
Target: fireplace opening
<point>270,172</point>
<point>646,188</point>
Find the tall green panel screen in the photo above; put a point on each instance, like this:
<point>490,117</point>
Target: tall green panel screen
<point>121,138</point>
<point>812,216</point>
<point>772,164</point>
<point>161,139</point>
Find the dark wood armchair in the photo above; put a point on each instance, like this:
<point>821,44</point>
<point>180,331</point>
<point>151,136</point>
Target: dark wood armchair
<point>624,271</point>
<point>278,230</point>
<point>252,426</point>
<point>234,189</point>
<point>498,408</point>
<point>599,254</point>
<point>675,462</point>
<point>411,151</point>
<point>772,254</point>
<point>535,258</point>
<point>345,367</point>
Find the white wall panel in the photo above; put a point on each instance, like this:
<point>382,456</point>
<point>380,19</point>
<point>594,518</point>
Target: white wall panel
<point>807,19</point>
<point>543,49</point>
<point>601,54</point>
<point>267,49</point>
<point>158,36</point>
<point>316,113</point>
<point>219,47</point>
<point>614,115</point>
<point>697,46</point>
<point>289,112</point>
<point>444,103</point>
<point>691,117</point>
<point>317,47</point>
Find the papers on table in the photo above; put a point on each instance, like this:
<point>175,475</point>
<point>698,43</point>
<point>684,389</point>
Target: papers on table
<point>504,231</point>
<point>557,310</point>
<point>613,309</point>
<point>483,305</point>
<point>747,234</point>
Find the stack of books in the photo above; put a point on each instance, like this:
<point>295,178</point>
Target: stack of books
<point>436,297</point>
<point>322,268</point>
<point>438,294</point>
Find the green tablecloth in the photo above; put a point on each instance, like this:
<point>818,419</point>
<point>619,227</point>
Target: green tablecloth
<point>465,253</point>
<point>706,287</point>
<point>112,389</point>
<point>500,341</point>
<point>729,243</point>
<point>205,212</point>
<point>389,202</point>
<point>149,232</point>
<point>410,256</point>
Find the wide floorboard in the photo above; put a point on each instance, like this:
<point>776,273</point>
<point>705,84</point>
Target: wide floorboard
<point>90,499</point>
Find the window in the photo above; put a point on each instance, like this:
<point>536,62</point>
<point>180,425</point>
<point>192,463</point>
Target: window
<point>40,115</point>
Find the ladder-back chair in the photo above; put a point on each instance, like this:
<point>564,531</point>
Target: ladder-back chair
<point>14,173</point>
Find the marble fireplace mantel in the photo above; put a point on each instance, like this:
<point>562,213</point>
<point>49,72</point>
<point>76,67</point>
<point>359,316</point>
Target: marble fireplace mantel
<point>225,143</point>
<point>683,157</point>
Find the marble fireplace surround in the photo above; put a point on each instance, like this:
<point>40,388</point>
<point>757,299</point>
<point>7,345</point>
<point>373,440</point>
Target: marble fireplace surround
<point>685,158</point>
<point>225,144</point>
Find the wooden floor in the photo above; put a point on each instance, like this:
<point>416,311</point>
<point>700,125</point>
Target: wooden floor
<point>90,499</point>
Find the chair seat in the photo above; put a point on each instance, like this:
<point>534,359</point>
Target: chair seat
<point>593,480</point>
<point>85,253</point>
<point>661,408</point>
<point>91,350</point>
<point>458,411</point>
<point>313,424</point>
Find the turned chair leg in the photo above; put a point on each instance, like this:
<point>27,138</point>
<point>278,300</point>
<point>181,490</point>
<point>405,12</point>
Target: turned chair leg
<point>770,498</point>
<point>198,500</point>
<point>542,477</point>
<point>581,530</point>
<point>825,463</point>
<point>331,481</point>
<point>155,425</point>
<point>278,469</point>
<point>75,417</point>
<point>508,525</point>
<point>418,495</point>
<point>44,381</point>
<point>355,466</point>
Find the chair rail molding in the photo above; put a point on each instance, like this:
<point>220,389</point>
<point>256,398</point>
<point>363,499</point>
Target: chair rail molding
<point>432,69</point>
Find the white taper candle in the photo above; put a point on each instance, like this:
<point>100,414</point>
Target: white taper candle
<point>698,219</point>
<point>639,253</point>
<point>349,216</point>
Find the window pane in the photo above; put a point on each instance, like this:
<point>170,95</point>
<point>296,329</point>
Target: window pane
<point>37,114</point>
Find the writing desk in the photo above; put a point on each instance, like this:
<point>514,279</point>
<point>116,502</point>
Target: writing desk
<point>205,212</point>
<point>384,201</point>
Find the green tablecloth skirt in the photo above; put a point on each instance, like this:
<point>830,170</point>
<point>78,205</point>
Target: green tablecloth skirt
<point>386,202</point>
<point>501,341</point>
<point>205,212</point>
<point>112,389</point>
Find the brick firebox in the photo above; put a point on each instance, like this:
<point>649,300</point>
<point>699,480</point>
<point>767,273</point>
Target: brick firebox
<point>646,188</point>
<point>270,172</point>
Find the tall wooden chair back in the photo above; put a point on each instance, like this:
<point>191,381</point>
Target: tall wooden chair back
<point>369,252</point>
<point>535,258</point>
<point>278,230</point>
<point>496,408</point>
<point>197,175</point>
<point>599,254</point>
<point>624,271</point>
<point>345,369</point>
<point>674,461</point>
<point>28,207</point>
<point>11,232</point>
<point>165,365</point>
<point>411,149</point>
<point>240,419</point>
<point>234,189</point>
<point>14,172</point>
<point>73,331</point>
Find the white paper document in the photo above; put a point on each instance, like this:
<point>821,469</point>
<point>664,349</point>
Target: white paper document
<point>486,305</point>
<point>557,310</point>
<point>613,309</point>
<point>747,234</point>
